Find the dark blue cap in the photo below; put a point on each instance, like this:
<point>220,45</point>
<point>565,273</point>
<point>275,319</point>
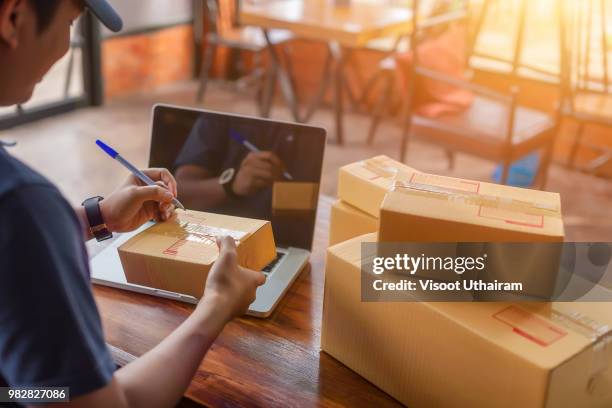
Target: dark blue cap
<point>106,14</point>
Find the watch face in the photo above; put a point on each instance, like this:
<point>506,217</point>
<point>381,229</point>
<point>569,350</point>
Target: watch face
<point>227,176</point>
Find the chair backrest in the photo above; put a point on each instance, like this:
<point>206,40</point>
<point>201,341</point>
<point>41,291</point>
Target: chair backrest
<point>585,46</point>
<point>428,24</point>
<point>424,26</point>
<point>222,15</point>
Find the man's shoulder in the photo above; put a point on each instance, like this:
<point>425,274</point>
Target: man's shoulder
<point>29,201</point>
<point>15,174</point>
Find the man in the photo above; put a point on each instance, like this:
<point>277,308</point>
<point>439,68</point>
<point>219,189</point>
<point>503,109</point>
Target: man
<point>50,331</point>
<point>218,173</point>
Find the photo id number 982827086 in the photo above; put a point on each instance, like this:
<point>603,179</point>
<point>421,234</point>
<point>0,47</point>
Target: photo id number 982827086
<point>34,394</point>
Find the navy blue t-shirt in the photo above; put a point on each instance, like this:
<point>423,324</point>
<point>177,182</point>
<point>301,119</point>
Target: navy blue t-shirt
<point>50,330</point>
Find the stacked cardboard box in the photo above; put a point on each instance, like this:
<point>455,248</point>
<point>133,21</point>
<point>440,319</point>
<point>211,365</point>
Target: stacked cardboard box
<point>434,354</point>
<point>364,184</point>
<point>422,207</point>
<point>176,255</point>
<point>441,354</point>
<point>361,189</point>
<point>347,222</point>
<point>427,208</point>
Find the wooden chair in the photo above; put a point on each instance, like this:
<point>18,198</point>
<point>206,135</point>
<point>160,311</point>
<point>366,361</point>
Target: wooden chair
<point>586,96</point>
<point>385,77</point>
<point>494,127</point>
<point>224,31</point>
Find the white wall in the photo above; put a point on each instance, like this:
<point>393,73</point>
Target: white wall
<point>145,14</point>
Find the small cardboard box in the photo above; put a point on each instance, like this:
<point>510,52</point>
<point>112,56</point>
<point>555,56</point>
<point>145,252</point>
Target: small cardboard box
<point>292,195</point>
<point>347,222</point>
<point>441,354</point>
<point>364,184</point>
<point>429,208</point>
<point>176,255</point>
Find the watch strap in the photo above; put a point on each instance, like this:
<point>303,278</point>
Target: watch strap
<point>229,190</point>
<point>228,186</point>
<point>94,216</point>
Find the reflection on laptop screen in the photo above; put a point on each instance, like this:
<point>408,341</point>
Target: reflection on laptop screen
<point>242,166</point>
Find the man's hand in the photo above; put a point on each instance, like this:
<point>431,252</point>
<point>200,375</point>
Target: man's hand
<point>257,171</point>
<point>230,288</point>
<point>134,203</point>
<point>159,378</point>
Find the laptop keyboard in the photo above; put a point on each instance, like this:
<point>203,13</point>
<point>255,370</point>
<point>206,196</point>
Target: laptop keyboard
<point>268,269</point>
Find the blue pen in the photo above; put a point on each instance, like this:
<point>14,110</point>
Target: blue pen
<point>238,137</point>
<point>135,171</point>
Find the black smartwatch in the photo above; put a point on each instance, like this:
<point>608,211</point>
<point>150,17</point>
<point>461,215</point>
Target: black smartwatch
<point>226,179</point>
<point>97,227</point>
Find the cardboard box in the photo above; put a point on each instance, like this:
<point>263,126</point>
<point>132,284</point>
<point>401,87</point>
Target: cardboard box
<point>467,354</point>
<point>347,222</point>
<point>176,255</point>
<point>294,195</point>
<point>364,184</point>
<point>429,208</point>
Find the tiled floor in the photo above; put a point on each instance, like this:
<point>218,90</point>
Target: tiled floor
<point>63,148</point>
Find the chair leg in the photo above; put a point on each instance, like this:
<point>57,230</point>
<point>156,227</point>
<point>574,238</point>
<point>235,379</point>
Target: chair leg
<point>286,57</point>
<point>381,105</point>
<point>450,155</point>
<point>545,164</point>
<point>269,91</point>
<point>261,82</point>
<point>369,86</point>
<point>505,171</point>
<point>339,88</point>
<point>576,145</point>
<point>405,136</point>
<point>209,56</point>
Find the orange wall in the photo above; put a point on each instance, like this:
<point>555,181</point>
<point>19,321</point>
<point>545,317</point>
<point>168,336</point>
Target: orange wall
<point>143,61</point>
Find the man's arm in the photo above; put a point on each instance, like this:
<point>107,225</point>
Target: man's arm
<point>133,203</point>
<point>160,377</point>
<point>198,189</point>
<point>80,212</point>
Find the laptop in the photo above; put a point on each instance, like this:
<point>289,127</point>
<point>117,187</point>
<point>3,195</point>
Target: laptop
<point>206,145</point>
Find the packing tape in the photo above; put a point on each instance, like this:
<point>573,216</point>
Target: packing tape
<point>471,198</point>
<point>188,242</point>
<point>599,334</point>
<point>198,232</point>
<point>191,229</point>
<point>380,167</point>
<point>581,324</point>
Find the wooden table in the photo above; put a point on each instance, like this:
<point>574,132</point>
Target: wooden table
<point>342,28</point>
<point>274,362</point>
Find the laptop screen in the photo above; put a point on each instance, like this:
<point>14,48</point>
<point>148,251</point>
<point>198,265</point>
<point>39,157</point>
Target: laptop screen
<point>271,170</point>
